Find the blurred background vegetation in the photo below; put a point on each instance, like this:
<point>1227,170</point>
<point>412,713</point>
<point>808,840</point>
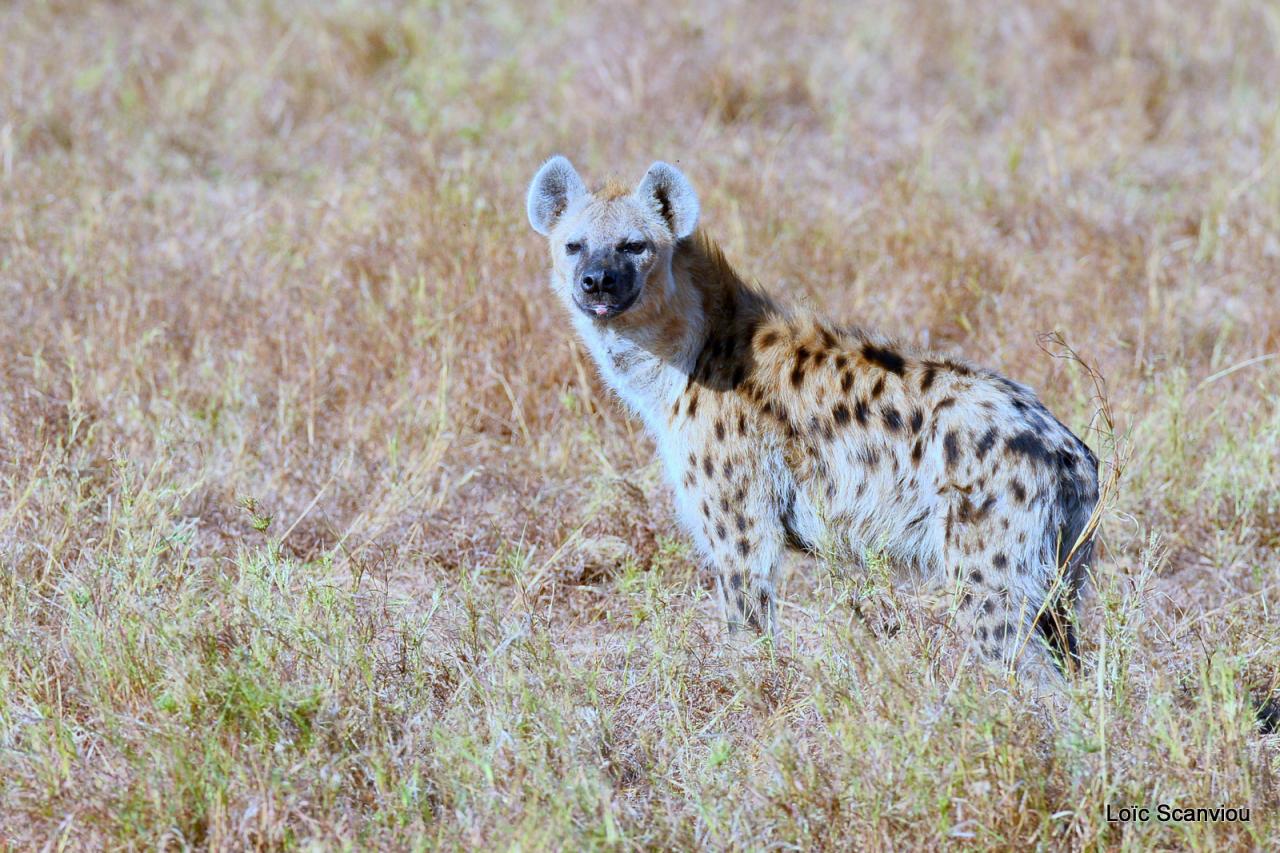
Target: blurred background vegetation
<point>316,525</point>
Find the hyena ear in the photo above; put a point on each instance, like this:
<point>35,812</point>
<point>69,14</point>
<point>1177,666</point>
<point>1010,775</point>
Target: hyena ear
<point>670,193</point>
<point>554,188</point>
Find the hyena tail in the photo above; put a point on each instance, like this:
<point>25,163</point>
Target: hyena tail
<point>1056,621</point>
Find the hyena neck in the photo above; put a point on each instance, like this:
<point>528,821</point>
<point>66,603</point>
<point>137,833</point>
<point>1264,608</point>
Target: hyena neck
<point>650,363</point>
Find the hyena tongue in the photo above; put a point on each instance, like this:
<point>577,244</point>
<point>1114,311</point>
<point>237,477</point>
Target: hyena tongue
<point>601,310</point>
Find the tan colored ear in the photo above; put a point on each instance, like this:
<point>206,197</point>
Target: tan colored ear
<point>669,192</point>
<point>554,188</point>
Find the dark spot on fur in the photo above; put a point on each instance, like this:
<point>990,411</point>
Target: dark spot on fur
<point>841,361</point>
<point>744,547</point>
<point>1000,561</point>
<point>692,409</point>
<point>892,420</point>
<point>877,389</point>
<point>841,414</point>
<point>768,339</point>
<point>1019,492</point>
<point>1029,445</point>
<point>861,412</point>
<point>968,512</point>
<point>708,465</point>
<point>720,530</point>
<point>742,424</point>
<point>740,521</point>
<point>885,359</point>
<point>917,452</point>
<point>735,580</point>
<point>975,576</point>
<point>926,378</point>
<point>827,338</point>
<point>951,448</point>
<point>719,430</point>
<point>917,421</point>
<point>846,381</point>
<point>944,403</point>
<point>985,443</point>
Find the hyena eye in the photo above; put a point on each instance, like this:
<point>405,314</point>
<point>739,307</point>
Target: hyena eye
<point>634,247</point>
<point>572,248</point>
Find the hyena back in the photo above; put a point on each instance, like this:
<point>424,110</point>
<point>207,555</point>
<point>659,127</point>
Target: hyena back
<point>779,430</point>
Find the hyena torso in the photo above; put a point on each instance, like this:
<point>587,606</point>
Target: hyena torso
<point>779,430</point>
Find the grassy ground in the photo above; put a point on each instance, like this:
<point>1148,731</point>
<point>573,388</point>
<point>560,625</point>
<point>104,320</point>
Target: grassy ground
<point>316,526</point>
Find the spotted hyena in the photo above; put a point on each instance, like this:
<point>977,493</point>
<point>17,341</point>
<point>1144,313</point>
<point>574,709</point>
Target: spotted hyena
<point>781,430</point>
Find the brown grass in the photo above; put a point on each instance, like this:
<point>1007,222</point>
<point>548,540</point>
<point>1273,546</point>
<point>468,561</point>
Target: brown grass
<point>316,525</point>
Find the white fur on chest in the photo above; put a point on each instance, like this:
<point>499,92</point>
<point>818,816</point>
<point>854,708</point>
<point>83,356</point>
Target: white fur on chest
<point>631,365</point>
<point>651,386</point>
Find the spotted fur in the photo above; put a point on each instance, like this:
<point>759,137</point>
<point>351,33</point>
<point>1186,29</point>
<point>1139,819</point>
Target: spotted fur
<point>780,431</point>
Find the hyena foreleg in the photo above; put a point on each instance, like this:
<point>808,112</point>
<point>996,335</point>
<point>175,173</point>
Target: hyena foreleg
<point>747,589</point>
<point>728,496</point>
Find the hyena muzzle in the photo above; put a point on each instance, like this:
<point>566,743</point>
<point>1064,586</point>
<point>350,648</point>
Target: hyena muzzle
<point>780,430</point>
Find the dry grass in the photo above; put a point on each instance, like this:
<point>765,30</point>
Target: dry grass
<point>317,527</point>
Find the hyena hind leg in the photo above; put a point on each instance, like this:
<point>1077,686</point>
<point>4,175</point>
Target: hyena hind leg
<point>1007,629</point>
<point>1055,623</point>
<point>1056,620</point>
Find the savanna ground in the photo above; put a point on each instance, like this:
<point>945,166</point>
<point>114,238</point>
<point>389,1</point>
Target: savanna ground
<point>317,527</point>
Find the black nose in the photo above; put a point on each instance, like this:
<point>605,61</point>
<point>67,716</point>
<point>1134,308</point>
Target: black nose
<point>598,279</point>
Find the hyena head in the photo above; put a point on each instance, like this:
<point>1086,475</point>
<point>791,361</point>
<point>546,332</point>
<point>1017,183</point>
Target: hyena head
<point>611,250</point>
